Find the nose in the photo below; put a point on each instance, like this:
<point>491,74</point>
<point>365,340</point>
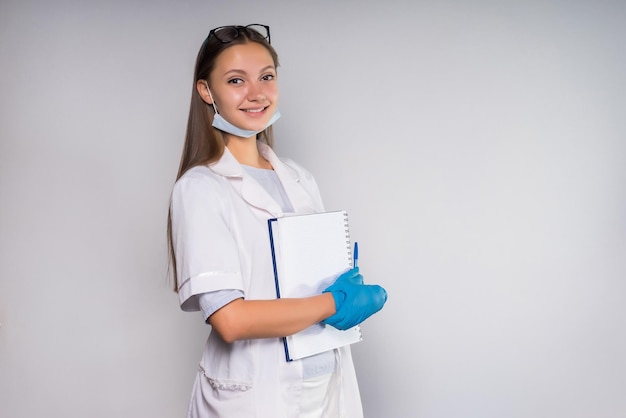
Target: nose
<point>255,93</point>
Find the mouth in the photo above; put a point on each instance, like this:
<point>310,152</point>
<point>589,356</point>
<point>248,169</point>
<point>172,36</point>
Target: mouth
<point>259,110</point>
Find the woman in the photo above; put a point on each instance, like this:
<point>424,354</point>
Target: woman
<point>229,183</point>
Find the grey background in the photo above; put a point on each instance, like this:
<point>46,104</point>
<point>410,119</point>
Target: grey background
<point>478,147</point>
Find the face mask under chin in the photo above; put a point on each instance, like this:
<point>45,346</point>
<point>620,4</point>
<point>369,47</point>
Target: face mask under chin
<point>223,125</point>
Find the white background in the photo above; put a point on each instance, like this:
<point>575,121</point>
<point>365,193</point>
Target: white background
<point>479,148</point>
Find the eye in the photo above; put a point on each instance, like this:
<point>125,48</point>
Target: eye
<point>235,81</point>
<point>268,77</point>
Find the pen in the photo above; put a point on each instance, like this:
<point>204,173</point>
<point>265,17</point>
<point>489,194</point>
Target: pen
<point>355,255</point>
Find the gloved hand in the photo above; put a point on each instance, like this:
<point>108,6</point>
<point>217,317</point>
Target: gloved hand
<point>354,301</point>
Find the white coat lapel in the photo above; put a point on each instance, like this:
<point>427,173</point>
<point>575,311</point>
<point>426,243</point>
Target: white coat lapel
<point>300,199</point>
<point>251,191</point>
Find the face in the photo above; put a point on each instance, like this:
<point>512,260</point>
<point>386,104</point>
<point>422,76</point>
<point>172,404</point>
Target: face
<point>243,86</point>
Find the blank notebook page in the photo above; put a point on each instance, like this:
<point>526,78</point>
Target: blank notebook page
<point>309,251</point>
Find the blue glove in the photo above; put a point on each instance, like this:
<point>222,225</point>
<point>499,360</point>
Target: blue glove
<point>354,301</point>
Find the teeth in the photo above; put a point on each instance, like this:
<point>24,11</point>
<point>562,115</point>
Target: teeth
<point>255,110</point>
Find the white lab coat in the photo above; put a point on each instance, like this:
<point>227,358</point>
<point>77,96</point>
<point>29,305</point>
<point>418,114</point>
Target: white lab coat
<point>220,237</point>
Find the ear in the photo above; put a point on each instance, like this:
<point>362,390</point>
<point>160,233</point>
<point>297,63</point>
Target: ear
<point>203,91</point>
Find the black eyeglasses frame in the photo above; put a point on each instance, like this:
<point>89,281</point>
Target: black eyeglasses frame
<point>235,30</point>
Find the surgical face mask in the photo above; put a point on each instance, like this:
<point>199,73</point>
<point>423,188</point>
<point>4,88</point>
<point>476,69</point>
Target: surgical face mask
<point>223,125</point>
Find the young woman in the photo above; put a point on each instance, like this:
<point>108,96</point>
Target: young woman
<point>229,183</point>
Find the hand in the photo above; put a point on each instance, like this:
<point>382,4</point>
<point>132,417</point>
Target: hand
<point>354,301</point>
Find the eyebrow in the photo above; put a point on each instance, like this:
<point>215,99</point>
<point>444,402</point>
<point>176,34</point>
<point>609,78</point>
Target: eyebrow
<point>237,71</point>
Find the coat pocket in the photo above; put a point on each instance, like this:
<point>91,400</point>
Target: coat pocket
<point>228,367</point>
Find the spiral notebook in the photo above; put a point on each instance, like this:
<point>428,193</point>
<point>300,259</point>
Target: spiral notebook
<point>308,252</point>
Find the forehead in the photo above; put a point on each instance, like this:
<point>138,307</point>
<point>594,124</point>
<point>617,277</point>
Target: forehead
<point>249,56</point>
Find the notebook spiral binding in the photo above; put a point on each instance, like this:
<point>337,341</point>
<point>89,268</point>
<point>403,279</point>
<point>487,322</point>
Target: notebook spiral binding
<point>348,241</point>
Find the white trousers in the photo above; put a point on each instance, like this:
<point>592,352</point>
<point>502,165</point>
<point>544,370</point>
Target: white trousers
<point>319,400</point>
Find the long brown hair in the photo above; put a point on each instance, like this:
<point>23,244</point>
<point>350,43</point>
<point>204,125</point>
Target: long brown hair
<point>203,143</point>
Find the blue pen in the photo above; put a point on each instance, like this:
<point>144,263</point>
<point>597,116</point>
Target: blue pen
<point>355,255</point>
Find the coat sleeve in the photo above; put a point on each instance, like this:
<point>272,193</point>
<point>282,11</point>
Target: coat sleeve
<point>206,254</point>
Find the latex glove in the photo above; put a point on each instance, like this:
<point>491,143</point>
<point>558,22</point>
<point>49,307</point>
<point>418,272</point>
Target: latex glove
<point>354,301</point>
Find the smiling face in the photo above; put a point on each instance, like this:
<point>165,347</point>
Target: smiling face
<point>243,86</point>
